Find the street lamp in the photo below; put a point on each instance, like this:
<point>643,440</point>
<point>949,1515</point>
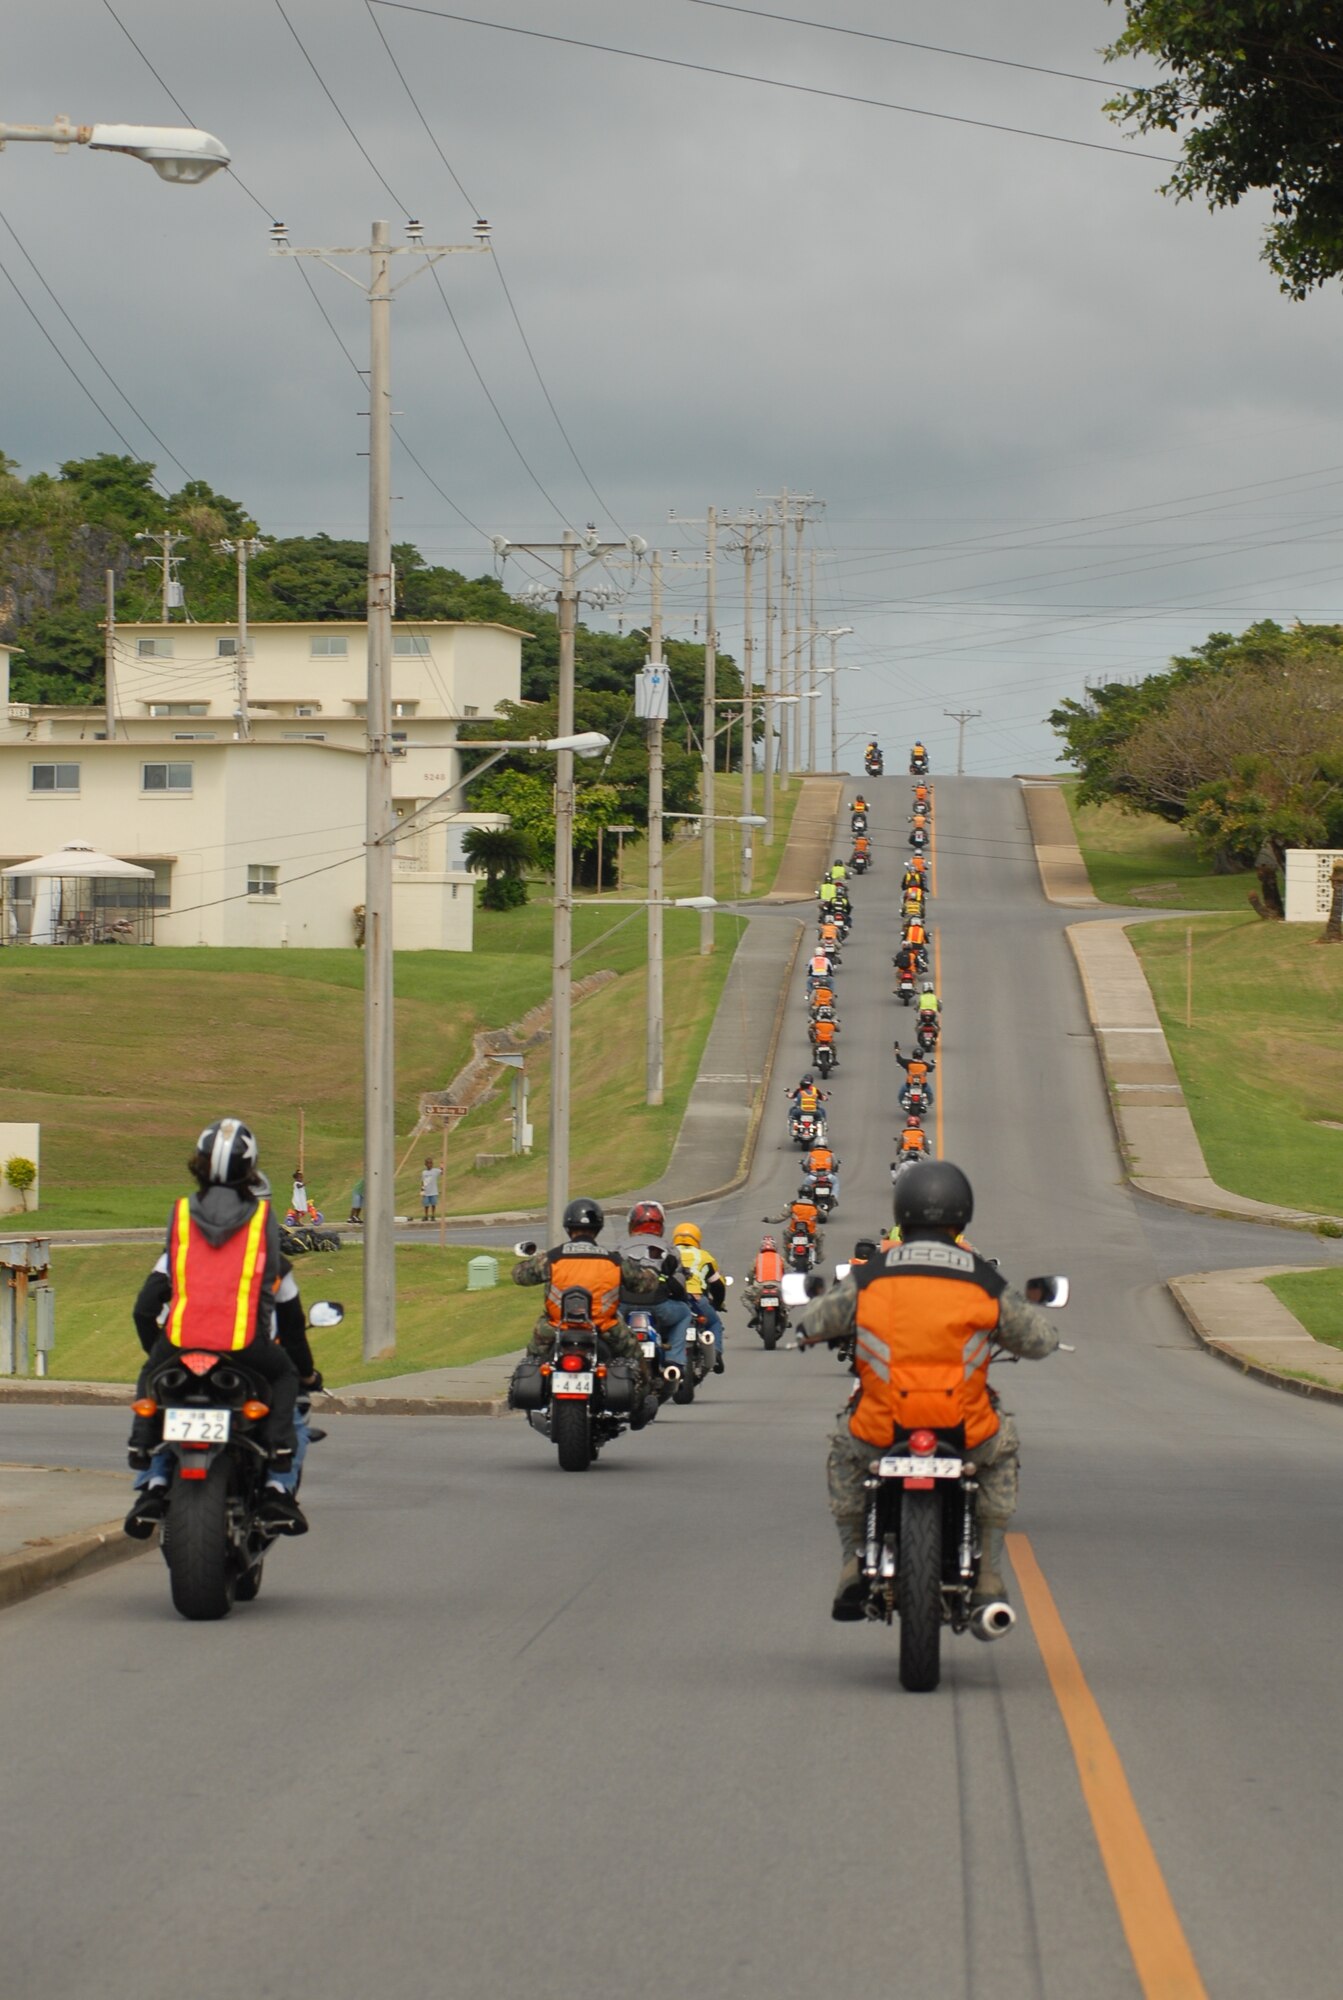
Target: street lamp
<point>176,152</point>
<point>834,634</point>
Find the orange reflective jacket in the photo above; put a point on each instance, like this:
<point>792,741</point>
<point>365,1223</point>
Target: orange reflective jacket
<point>824,996</point>
<point>768,1267</point>
<point>596,1270</point>
<point>804,1216</point>
<point>216,1287</point>
<point>823,1031</point>
<point>820,1160</point>
<point>925,1313</point>
<point>915,934</point>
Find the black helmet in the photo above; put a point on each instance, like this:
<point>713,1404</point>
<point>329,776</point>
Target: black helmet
<point>938,1196</point>
<point>228,1153</point>
<point>584,1217</point>
<point>864,1250</point>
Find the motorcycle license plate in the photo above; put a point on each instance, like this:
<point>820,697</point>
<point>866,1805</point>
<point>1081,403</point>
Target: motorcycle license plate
<point>648,1348</point>
<point>195,1426</point>
<point>920,1468</point>
<point>571,1385</point>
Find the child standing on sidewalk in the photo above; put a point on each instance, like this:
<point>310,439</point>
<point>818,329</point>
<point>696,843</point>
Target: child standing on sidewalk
<point>429,1180</point>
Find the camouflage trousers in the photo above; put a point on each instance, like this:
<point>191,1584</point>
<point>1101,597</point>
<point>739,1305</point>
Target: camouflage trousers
<point>619,1340</point>
<point>998,1460</point>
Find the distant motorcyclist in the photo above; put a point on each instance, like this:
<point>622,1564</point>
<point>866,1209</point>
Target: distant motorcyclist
<point>802,1215</point>
<point>766,1273</point>
<point>825,1035</point>
<point>608,1276</point>
<point>913,1142</point>
<point>925,1310</point>
<point>821,1161</point>
<point>827,894</point>
<point>822,996</point>
<point>671,1308</point>
<point>838,870</point>
<point>858,805</point>
<point>703,1281</point>
<point>928,1001</point>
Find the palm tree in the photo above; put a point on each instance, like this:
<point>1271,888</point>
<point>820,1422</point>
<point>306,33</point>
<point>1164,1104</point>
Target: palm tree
<point>501,854</point>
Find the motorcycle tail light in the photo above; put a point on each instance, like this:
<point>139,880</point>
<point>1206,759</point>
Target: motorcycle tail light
<point>199,1364</point>
<point>145,1406</point>
<point>572,1364</point>
<point>193,1471</point>
<point>254,1411</point>
<point>923,1442</point>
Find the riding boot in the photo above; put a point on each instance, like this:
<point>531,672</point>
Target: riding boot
<point>990,1588</point>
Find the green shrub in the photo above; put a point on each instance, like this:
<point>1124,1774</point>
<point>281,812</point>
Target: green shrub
<point>20,1174</point>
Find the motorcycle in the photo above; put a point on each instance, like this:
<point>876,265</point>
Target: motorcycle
<point>771,1315</point>
<point>926,1034</point>
<point>824,1058</point>
<point>806,1128</point>
<point>904,989</point>
<point>874,763</point>
<point>921,1547</point>
<point>212,1412</point>
<point>858,864</point>
<point>822,1191</point>
<point>904,1161</point>
<point>918,838</point>
<point>914,1099</point>
<point>584,1396</point>
<point>858,822</point>
<point>918,767</point>
<point>801,1250</point>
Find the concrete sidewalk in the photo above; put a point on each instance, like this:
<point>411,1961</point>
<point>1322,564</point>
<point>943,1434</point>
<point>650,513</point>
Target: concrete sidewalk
<point>1236,1317</point>
<point>57,1523</point>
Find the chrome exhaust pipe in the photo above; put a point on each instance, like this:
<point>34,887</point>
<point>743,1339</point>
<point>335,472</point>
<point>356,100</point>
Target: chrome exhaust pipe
<point>671,1373</point>
<point>993,1621</point>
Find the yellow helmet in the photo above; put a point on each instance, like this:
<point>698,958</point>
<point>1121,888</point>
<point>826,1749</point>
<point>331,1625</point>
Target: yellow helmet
<point>687,1234</point>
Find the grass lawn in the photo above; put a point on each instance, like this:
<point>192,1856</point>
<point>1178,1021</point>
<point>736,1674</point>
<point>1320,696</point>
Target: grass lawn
<point>122,1057</point>
<point>1137,858</point>
<point>439,1323</point>
<point>1316,1297</point>
<point>1264,1088</point>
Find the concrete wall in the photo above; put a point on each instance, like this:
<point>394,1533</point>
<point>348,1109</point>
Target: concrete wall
<point>1308,892</point>
<point>23,1141</point>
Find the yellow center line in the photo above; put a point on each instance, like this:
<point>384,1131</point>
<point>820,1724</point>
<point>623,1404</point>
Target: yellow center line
<point>1157,1944</point>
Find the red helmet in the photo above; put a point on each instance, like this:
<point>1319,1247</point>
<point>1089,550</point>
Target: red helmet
<point>768,1243</point>
<point>648,1218</point>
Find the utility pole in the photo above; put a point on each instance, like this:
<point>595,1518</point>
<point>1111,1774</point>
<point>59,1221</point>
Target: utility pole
<point>655,696</point>
<point>961,716</point>
<point>767,802</point>
<point>795,682</point>
<point>811,667</point>
<point>242,549</point>
<point>171,597</point>
<point>110,654</point>
<point>709,726</point>
<point>748,716</point>
<point>379,1052</point>
<point>787,723</point>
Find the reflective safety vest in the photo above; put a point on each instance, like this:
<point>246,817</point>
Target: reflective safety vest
<point>768,1267</point>
<point>698,1266</point>
<point>925,1314</point>
<point>826,892</point>
<point>216,1287</point>
<point>809,1100</point>
<point>820,1160</point>
<point>820,966</point>
<point>913,1139</point>
<point>829,934</point>
<point>804,1215</point>
<point>823,1031</point>
<point>824,996</point>
<point>929,1004</point>
<point>915,935</point>
<point>595,1270</point>
<point>861,844</point>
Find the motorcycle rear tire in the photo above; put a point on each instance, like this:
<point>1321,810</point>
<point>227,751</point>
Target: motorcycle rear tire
<point>571,1433</point>
<point>201,1568</point>
<point>919,1591</point>
<point>684,1391</point>
<point>769,1331</point>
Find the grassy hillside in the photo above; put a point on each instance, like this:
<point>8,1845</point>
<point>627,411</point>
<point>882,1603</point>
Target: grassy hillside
<point>1137,858</point>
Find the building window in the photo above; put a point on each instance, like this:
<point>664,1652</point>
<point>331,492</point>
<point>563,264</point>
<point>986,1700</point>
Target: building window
<point>328,646</point>
<point>55,777</point>
<point>154,649</point>
<point>226,648</point>
<point>409,642</point>
<point>469,710</point>
<point>194,736</point>
<point>402,709</point>
<point>165,777</point>
<point>169,708</point>
<point>301,736</point>
<point>301,710</point>
<point>263,879</point>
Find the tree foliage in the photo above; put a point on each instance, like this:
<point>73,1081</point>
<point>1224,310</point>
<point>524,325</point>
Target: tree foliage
<point>1255,87</point>
<point>502,855</point>
<point>1241,742</point>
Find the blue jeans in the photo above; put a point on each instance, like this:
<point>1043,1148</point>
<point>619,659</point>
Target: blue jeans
<point>809,1181</point>
<point>160,1469</point>
<point>706,1310</point>
<point>671,1318</point>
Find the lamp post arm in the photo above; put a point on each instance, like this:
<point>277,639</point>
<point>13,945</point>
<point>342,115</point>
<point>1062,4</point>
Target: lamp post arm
<point>458,785</point>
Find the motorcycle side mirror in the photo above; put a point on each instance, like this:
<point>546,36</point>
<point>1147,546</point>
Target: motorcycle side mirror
<point>815,1285</point>
<point>326,1312</point>
<point>1048,1291</point>
<point>728,1280</point>
<point>524,1249</point>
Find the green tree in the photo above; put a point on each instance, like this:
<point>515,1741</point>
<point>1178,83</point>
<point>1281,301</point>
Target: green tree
<point>61,661</point>
<point>20,1174</point>
<point>1256,89</point>
<point>502,855</point>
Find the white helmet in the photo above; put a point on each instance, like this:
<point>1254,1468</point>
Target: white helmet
<point>231,1150</point>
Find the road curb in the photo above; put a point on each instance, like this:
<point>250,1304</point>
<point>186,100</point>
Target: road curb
<point>1213,1340</point>
<point>415,1406</point>
<point>63,1559</point>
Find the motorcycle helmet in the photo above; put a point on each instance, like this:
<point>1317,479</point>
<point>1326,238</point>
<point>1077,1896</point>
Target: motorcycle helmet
<point>687,1235</point>
<point>938,1197</point>
<point>927,987</point>
<point>807,1081</point>
<point>863,1249</point>
<point>768,1243</point>
<point>912,1123</point>
<point>648,1218</point>
<point>228,1152</point>
<point>584,1217</point>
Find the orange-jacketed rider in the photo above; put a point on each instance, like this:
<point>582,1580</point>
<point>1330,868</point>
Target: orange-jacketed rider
<point>580,1261</point>
<point>923,1313</point>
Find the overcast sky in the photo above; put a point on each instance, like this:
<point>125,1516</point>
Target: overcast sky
<point>1062,426</point>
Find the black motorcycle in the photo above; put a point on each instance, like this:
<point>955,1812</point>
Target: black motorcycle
<point>858,864</point>
<point>771,1315</point>
<point>211,1413</point>
<point>583,1396</point>
<point>926,1034</point>
<point>918,767</point>
<point>874,763</point>
<point>823,1057</point>
<point>858,822</point>
<point>822,1191</point>
<point>801,1250</point>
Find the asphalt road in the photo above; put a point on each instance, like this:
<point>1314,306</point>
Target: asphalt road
<point>496,1731</point>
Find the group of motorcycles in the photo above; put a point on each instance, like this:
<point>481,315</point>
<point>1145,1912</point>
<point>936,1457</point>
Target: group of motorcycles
<point>912,961</point>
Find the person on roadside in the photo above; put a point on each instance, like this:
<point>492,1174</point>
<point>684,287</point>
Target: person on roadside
<point>429,1181</point>
<point>221,1262</point>
<point>925,1307</point>
<point>357,1201</point>
<point>704,1282</point>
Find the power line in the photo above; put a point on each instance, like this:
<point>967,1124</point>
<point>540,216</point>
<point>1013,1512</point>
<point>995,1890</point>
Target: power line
<point>777,83</point>
<point>373,167</point>
<point>899,42</point>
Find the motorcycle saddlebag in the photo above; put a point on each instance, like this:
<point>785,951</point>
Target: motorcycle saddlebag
<point>622,1386</point>
<point>527,1390</point>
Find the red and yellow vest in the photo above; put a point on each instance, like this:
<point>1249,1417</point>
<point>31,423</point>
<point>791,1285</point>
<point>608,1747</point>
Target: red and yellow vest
<point>216,1287</point>
<point>596,1270</point>
<point>926,1312</point>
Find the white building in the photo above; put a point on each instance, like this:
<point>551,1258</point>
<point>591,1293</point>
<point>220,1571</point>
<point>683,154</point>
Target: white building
<point>1310,883</point>
<point>241,782</point>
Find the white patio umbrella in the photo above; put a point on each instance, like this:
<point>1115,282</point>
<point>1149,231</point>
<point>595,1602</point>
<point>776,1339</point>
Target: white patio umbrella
<point>78,862</point>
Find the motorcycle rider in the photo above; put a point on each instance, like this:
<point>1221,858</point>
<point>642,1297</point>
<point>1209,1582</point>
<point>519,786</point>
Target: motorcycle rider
<point>827,894</point>
<point>802,1214</point>
<point>807,1097</point>
<point>818,970</point>
<point>704,1283</point>
<point>916,937</point>
<point>918,1069</point>
<point>222,1267</point>
<point>820,1160</point>
<point>918,755</point>
<point>923,1308</point>
<point>838,871</point>
<point>608,1275</point>
<point>821,997</point>
<point>825,1035</point>
<point>767,1271</point>
<point>928,1003</point>
<point>913,1141</point>
<point>671,1308</point>
<point>858,805</point>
